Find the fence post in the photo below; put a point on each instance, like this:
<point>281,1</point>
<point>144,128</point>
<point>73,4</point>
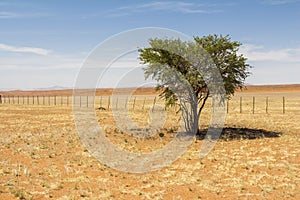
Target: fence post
<point>67,100</point>
<point>267,105</point>
<point>144,103</point>
<point>117,103</point>
<point>43,100</point>
<point>61,100</point>
<point>49,100</point>
<point>87,101</point>
<point>133,103</point>
<point>55,100</point>
<point>100,101</point>
<point>0,99</point>
<point>126,101</point>
<point>38,100</point>
<point>283,105</point>
<point>227,109</point>
<point>253,106</point>
<point>108,104</point>
<point>33,100</point>
<point>154,101</point>
<point>213,105</point>
<point>18,100</point>
<point>241,104</point>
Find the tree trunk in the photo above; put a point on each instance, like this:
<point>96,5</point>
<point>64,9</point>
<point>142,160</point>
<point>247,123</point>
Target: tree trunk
<point>198,132</point>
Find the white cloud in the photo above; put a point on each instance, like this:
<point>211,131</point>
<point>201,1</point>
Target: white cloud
<point>259,53</point>
<point>8,15</point>
<point>34,50</point>
<point>64,62</point>
<point>36,63</point>
<point>280,2</point>
<point>5,15</point>
<point>169,6</point>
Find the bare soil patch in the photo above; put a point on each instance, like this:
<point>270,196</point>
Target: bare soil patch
<point>42,157</point>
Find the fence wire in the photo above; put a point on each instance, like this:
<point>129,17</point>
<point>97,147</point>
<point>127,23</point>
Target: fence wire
<point>239,104</point>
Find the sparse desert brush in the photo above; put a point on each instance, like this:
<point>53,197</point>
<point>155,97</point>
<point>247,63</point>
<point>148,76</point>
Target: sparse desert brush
<point>55,164</point>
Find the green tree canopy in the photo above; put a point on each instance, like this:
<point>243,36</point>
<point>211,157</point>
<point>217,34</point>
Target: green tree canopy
<point>165,55</point>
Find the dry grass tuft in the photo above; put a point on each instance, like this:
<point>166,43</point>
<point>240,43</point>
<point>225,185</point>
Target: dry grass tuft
<point>41,157</point>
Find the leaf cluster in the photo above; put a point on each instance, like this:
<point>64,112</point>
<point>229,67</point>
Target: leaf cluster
<point>192,61</point>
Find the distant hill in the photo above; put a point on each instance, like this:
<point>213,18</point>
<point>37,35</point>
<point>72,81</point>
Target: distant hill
<point>271,88</point>
<point>53,88</point>
<point>62,91</point>
<point>69,92</point>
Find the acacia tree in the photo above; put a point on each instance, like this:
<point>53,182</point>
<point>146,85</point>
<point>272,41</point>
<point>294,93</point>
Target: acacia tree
<point>188,60</point>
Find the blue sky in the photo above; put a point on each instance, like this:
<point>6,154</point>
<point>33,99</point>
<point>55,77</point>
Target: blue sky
<point>44,43</point>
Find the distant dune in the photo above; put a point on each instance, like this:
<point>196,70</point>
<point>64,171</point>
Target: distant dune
<point>290,88</point>
<point>69,92</point>
<point>271,88</point>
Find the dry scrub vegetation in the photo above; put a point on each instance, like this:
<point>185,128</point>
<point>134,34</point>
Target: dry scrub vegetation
<point>41,157</point>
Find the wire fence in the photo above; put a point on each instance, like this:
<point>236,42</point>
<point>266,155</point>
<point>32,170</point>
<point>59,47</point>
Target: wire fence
<point>240,104</point>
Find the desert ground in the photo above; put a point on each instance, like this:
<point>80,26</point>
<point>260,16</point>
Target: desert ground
<point>257,156</point>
